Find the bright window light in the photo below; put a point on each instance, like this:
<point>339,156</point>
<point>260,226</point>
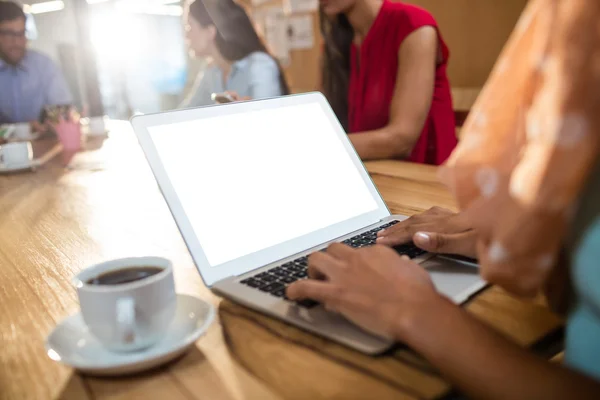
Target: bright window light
<point>45,7</point>
<point>154,2</point>
<point>152,9</point>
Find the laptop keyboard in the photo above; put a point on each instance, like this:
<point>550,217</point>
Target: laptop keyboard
<point>275,280</point>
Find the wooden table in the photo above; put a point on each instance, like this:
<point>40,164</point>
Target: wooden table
<point>56,221</point>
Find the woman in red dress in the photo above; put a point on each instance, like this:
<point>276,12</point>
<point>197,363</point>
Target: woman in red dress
<point>384,73</point>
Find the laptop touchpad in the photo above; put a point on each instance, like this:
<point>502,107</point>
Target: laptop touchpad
<point>453,278</point>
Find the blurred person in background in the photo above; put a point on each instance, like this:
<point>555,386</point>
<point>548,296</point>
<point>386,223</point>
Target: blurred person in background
<point>240,64</point>
<point>28,80</point>
<point>384,73</point>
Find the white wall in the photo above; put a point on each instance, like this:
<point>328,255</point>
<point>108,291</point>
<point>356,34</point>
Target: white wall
<point>139,50</point>
<point>55,28</point>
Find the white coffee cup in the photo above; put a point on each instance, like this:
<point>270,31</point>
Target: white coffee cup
<point>97,125</point>
<point>22,132</point>
<point>128,316</point>
<point>16,154</point>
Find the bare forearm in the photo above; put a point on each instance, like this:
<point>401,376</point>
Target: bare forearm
<point>484,364</point>
<point>381,144</point>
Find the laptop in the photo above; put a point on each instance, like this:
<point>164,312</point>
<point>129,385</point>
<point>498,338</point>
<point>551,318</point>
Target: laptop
<point>255,187</point>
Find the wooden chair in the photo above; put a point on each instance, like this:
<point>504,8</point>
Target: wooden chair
<point>463,99</point>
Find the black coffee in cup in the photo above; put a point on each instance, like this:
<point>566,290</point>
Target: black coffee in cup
<point>124,275</point>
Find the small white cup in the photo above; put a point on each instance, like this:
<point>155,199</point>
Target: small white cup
<point>97,125</point>
<point>16,154</point>
<point>22,132</point>
<point>129,316</point>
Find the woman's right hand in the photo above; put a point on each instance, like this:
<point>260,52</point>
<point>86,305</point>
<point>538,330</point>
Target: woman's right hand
<point>437,230</point>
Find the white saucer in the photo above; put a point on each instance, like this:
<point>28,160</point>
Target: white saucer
<point>17,167</point>
<point>72,344</point>
<point>85,130</point>
<point>24,138</point>
<point>99,134</point>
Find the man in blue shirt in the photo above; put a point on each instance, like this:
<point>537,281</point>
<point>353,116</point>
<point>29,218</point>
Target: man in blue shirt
<point>28,80</point>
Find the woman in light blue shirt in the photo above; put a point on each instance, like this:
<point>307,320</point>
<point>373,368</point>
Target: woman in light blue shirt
<point>240,63</point>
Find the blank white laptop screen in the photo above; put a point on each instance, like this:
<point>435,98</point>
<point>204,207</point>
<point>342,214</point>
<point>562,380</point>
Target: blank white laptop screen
<point>256,179</point>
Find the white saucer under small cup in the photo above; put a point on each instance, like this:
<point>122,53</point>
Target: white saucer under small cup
<point>6,169</point>
<point>72,344</point>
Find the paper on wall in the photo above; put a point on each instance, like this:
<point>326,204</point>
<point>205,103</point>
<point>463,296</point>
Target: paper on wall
<point>256,3</point>
<point>299,6</point>
<point>276,35</point>
<point>300,32</point>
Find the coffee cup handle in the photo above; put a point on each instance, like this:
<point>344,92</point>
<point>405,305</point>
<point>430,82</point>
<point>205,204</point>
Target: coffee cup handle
<point>126,319</point>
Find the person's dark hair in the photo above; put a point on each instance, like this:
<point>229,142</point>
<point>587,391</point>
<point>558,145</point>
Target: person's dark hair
<point>9,11</point>
<point>335,65</point>
<point>236,37</point>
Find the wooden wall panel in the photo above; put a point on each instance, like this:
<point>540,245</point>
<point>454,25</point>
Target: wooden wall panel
<point>304,71</point>
<point>475,31</point>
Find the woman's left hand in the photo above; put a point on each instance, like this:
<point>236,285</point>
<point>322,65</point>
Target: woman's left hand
<point>436,230</point>
<point>373,287</point>
<point>236,97</point>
